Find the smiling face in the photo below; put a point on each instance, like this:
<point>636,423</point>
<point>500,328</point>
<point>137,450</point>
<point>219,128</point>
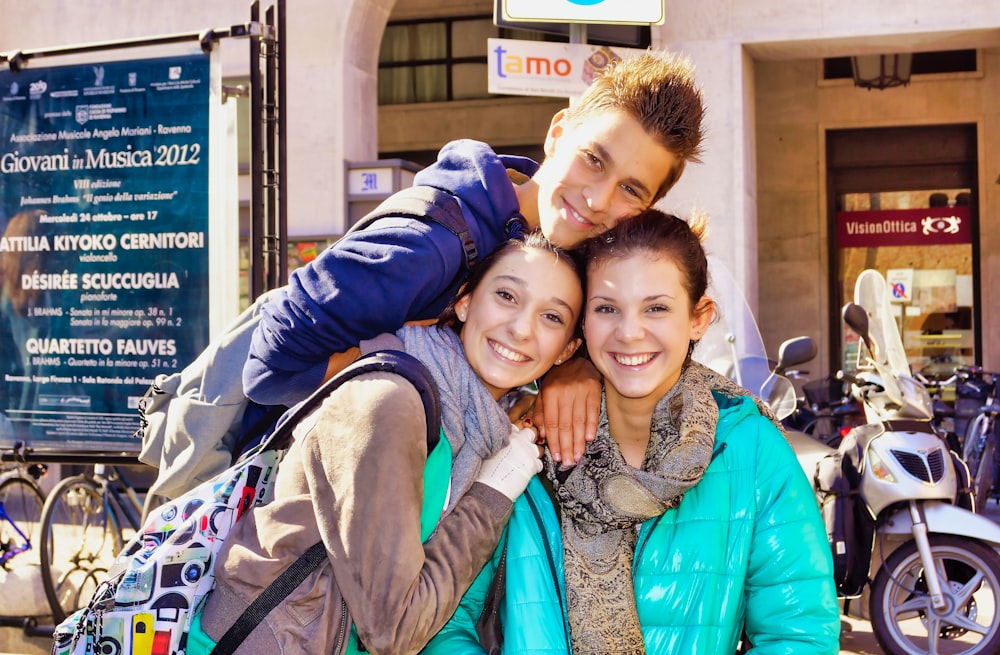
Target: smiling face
<point>596,172</point>
<point>639,322</point>
<point>521,318</point>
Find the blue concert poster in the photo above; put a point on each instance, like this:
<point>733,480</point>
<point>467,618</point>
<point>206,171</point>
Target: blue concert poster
<point>104,216</point>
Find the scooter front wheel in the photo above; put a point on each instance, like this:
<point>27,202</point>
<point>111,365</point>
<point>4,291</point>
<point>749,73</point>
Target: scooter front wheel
<point>904,620</point>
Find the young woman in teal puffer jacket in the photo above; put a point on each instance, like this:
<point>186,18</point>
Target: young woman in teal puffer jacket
<point>687,523</point>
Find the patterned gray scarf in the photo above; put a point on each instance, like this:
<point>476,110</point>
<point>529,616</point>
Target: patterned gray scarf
<point>473,422</point>
<point>604,501</point>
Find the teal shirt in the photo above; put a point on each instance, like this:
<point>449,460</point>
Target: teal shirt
<point>746,546</point>
<point>437,478</point>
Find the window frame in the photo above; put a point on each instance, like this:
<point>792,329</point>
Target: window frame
<point>450,62</point>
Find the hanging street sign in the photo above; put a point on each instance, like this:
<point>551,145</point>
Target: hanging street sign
<point>630,12</point>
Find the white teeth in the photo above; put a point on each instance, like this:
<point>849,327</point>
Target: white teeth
<point>507,353</point>
<point>633,360</point>
<point>577,216</point>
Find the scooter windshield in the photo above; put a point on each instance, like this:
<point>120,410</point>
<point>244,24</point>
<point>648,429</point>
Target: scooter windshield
<point>733,346</point>
<point>905,396</point>
<point>872,293</point>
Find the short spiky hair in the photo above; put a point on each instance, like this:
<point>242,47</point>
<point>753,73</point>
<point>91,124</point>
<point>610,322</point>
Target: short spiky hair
<point>658,90</point>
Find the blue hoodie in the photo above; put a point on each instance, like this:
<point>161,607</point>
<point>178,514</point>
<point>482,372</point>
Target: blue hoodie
<point>374,280</point>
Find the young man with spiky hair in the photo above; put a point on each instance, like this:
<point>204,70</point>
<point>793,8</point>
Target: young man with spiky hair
<point>617,150</point>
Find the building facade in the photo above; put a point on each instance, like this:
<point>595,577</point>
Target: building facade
<point>771,174</point>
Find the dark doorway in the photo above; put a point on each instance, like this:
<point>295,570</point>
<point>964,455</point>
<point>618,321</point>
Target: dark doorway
<point>913,191</point>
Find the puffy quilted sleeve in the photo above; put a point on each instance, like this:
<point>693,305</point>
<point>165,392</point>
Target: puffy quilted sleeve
<point>458,636</point>
<point>791,597</point>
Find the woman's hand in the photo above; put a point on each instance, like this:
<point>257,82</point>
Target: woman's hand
<point>568,408</point>
<point>520,413</point>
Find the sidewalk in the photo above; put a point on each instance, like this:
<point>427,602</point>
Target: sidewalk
<point>21,591</point>
<point>857,638</point>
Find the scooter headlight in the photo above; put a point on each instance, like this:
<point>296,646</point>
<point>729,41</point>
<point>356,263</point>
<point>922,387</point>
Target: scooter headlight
<point>879,468</point>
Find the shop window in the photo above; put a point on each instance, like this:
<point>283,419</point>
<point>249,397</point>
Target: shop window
<point>433,60</point>
<point>921,241</point>
<point>444,59</point>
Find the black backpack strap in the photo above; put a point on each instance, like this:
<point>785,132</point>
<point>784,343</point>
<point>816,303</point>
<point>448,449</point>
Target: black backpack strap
<point>430,204</point>
<point>268,599</point>
<point>390,361</point>
<point>488,627</point>
<point>258,431</point>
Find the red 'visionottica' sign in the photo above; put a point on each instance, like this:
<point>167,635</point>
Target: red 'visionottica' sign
<point>904,227</point>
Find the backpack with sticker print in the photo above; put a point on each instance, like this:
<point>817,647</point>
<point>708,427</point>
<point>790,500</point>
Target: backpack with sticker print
<point>159,581</point>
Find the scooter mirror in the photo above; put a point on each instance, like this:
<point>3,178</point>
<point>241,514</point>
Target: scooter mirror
<point>795,351</point>
<point>779,394</point>
<point>857,319</point>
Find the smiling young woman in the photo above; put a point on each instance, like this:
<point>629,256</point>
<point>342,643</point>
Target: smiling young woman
<point>688,520</point>
<point>354,476</point>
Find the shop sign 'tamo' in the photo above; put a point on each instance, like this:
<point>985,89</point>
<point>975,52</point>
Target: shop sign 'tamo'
<point>544,68</point>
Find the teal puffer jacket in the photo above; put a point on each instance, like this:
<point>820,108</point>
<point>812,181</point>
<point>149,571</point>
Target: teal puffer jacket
<point>745,547</point>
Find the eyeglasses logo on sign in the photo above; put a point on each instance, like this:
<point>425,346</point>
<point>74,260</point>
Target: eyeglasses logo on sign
<point>941,224</point>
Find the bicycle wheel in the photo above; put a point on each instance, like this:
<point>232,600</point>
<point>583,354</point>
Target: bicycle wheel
<point>983,483</point>
<point>824,430</point>
<point>22,501</point>
<point>80,539</point>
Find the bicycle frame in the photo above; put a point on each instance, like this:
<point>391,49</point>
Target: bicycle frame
<point>17,550</point>
<point>126,500</point>
<point>18,472</point>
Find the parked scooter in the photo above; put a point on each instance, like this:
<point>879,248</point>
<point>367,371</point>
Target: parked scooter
<point>929,568</point>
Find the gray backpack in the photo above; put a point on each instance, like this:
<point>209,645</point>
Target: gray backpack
<point>191,422</point>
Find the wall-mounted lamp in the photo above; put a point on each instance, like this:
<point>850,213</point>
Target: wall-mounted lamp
<point>882,71</point>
